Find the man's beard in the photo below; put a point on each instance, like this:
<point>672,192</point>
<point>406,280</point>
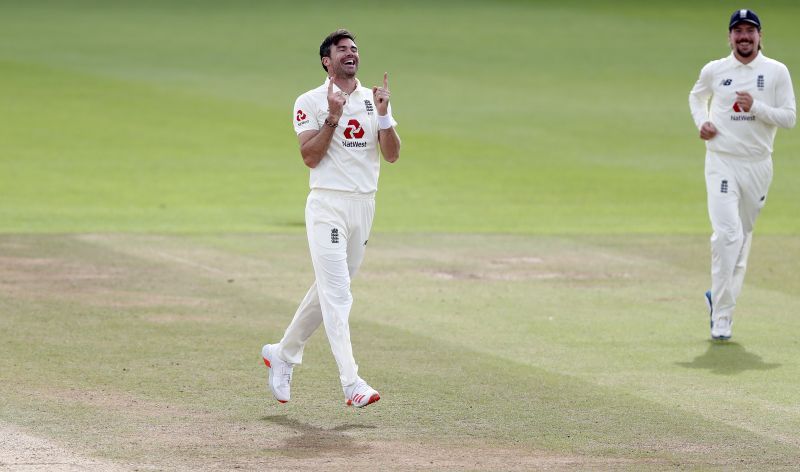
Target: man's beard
<point>340,72</point>
<point>746,53</point>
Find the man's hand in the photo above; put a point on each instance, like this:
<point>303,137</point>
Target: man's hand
<point>708,131</point>
<point>336,101</point>
<point>744,100</point>
<point>380,95</point>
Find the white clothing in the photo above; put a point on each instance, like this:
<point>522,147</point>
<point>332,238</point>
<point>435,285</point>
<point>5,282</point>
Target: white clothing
<point>742,134</point>
<point>338,226</point>
<point>339,213</point>
<point>738,166</point>
<point>737,191</point>
<point>352,162</point>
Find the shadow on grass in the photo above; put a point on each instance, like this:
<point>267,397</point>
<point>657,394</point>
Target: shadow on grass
<point>314,441</point>
<point>728,358</point>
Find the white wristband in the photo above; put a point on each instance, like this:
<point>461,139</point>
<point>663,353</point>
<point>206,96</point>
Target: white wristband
<point>385,122</point>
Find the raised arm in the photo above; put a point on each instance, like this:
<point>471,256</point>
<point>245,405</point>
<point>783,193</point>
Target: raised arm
<point>314,143</point>
<point>388,138</point>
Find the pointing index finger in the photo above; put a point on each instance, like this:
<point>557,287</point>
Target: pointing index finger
<point>331,79</point>
<point>386,80</point>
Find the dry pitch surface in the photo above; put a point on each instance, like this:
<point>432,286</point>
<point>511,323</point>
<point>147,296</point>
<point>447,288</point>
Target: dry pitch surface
<point>125,352</point>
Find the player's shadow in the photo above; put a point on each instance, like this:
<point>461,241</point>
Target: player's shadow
<point>312,440</point>
<point>728,358</point>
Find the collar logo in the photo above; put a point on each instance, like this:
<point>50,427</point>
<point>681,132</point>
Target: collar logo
<point>353,130</point>
<point>300,115</point>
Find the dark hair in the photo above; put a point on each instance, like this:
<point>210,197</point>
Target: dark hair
<point>330,40</point>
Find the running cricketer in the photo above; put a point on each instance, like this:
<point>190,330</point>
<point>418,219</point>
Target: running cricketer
<point>341,127</point>
<point>738,103</point>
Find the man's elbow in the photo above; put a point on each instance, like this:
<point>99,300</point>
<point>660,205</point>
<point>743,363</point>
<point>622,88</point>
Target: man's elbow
<point>787,121</point>
<point>310,162</point>
<point>309,159</point>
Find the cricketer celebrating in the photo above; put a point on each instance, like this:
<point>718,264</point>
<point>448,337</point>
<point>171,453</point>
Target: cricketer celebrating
<point>737,104</point>
<point>340,126</point>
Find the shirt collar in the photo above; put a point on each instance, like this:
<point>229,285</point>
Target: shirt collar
<point>337,89</point>
<point>751,64</point>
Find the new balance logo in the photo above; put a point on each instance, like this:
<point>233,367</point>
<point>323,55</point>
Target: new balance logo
<point>334,236</point>
<point>724,187</point>
<point>726,82</point>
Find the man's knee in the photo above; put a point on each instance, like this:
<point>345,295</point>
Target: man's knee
<point>727,235</point>
<point>338,292</point>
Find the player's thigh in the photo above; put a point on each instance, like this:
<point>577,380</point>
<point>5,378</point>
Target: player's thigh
<point>755,187</point>
<point>722,191</point>
<point>327,239</point>
<point>362,213</point>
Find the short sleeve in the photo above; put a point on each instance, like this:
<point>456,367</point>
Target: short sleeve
<point>304,117</point>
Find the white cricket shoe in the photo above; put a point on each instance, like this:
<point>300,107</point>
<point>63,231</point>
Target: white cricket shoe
<point>280,373</point>
<point>721,330</point>
<point>360,394</point>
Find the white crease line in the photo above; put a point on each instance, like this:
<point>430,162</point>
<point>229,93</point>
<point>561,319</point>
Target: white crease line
<point>213,270</point>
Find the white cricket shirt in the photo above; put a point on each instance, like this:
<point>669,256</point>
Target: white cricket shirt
<point>744,134</point>
<point>352,162</point>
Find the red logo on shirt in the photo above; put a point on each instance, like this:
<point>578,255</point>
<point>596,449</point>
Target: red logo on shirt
<point>736,107</point>
<point>353,130</point>
<point>300,115</point>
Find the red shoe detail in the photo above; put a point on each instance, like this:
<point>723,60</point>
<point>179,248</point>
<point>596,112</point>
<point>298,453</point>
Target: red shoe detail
<point>359,397</point>
<point>282,401</point>
<point>267,362</point>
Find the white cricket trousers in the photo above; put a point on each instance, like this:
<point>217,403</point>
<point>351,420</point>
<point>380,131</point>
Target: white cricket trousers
<point>737,190</point>
<point>338,226</point>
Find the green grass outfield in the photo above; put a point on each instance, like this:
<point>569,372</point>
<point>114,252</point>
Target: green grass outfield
<point>532,296</point>
<point>524,117</point>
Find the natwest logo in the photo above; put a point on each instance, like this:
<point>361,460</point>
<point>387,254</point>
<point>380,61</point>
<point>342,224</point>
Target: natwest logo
<point>353,130</point>
<point>300,115</point>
